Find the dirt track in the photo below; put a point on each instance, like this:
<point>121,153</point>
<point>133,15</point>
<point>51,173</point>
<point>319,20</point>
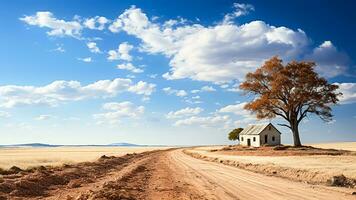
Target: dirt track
<point>157,175</point>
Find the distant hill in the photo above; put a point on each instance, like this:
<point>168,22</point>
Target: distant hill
<point>32,145</point>
<point>119,144</point>
<point>124,144</point>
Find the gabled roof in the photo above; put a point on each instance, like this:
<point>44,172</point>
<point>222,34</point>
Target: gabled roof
<point>255,129</point>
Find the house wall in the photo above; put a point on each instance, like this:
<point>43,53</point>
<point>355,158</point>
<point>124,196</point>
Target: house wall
<point>270,133</point>
<point>253,143</point>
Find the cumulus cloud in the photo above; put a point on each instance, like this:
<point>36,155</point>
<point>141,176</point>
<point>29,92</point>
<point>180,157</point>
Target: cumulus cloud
<point>348,91</point>
<point>118,111</point>
<point>143,88</point>
<point>123,52</point>
<point>238,110</point>
<point>63,91</point>
<point>93,47</point>
<point>59,48</point>
<point>240,10</point>
<point>43,117</point>
<point>330,61</point>
<point>204,89</point>
<point>179,93</point>
<point>210,121</point>
<point>58,27</point>
<point>96,23</point>
<point>219,53</point>
<point>86,59</point>
<point>130,67</point>
<point>4,114</point>
<point>185,112</point>
<point>234,88</point>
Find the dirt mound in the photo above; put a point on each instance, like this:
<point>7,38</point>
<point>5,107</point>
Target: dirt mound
<point>38,181</point>
<point>129,187</point>
<point>280,150</point>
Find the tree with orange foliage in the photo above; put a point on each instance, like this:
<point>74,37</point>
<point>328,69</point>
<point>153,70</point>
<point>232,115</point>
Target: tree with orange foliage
<point>290,91</point>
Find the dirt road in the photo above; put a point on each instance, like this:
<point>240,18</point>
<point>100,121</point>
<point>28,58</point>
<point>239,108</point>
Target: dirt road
<point>156,175</point>
<point>217,181</point>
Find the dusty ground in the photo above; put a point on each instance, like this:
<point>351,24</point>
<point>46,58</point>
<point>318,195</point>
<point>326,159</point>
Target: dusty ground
<point>318,166</point>
<point>168,174</point>
<point>277,151</point>
<point>26,157</point>
<point>350,146</point>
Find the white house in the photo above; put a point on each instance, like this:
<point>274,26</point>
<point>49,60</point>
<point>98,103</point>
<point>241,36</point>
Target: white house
<point>257,135</point>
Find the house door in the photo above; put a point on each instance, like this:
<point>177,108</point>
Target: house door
<point>266,139</point>
<point>248,142</point>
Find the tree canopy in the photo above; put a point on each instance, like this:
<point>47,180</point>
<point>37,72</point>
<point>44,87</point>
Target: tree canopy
<point>234,134</point>
<point>290,91</point>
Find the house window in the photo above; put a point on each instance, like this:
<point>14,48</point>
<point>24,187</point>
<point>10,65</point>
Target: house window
<point>269,128</point>
<point>273,138</point>
<point>242,139</point>
<point>254,139</point>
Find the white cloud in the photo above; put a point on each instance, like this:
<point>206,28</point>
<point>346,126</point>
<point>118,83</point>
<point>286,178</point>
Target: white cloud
<point>4,114</point>
<point>238,110</point>
<point>63,91</point>
<point>219,53</point>
<point>143,88</point>
<point>118,111</point>
<point>211,121</point>
<point>224,86</point>
<point>185,112</point>
<point>123,52</point>
<point>204,89</point>
<point>87,59</point>
<point>208,89</point>
<point>130,67</point>
<point>179,93</point>
<point>93,48</point>
<point>234,88</point>
<point>348,91</point>
<point>240,10</point>
<point>59,48</point>
<point>330,61</point>
<point>58,27</point>
<point>96,23</point>
<point>43,117</point>
<point>152,76</point>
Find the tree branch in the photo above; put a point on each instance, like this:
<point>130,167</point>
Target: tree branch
<point>284,125</point>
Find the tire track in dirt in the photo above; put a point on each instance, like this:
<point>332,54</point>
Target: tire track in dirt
<point>68,181</point>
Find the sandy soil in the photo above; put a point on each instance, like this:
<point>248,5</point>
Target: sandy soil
<point>317,169</point>
<point>166,175</point>
<point>350,146</point>
<point>25,157</point>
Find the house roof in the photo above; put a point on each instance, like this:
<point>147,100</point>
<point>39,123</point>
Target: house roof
<point>255,129</point>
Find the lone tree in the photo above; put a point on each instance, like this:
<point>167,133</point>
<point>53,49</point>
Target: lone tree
<point>291,91</point>
<point>234,134</point>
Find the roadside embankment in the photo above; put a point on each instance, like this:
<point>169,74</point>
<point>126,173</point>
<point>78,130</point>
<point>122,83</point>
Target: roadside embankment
<point>332,170</point>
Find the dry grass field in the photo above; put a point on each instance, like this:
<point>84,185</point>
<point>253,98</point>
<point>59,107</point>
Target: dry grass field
<point>26,157</point>
<point>350,146</point>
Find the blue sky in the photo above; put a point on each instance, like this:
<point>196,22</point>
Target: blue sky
<point>145,72</point>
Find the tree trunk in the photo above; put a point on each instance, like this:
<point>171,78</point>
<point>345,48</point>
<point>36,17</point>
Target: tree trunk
<point>295,131</point>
